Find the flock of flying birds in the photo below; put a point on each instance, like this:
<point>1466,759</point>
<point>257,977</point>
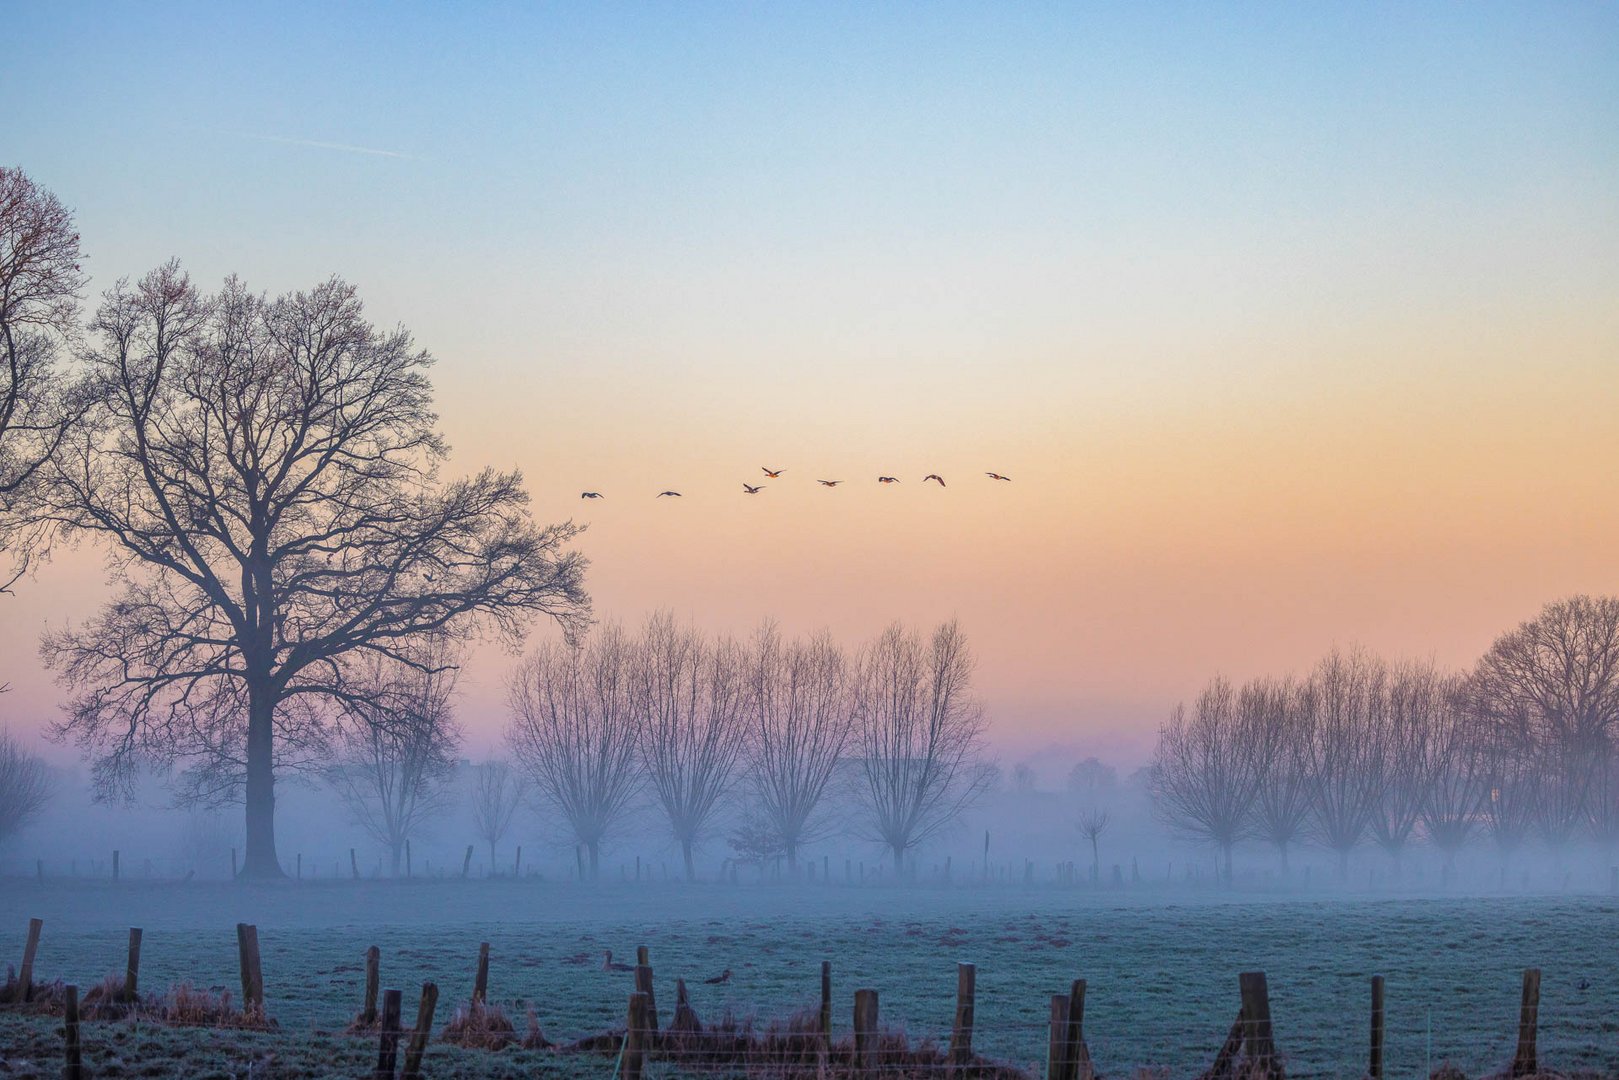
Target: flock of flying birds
<point>771,474</point>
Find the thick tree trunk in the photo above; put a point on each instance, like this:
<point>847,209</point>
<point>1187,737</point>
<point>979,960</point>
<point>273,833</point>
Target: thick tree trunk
<point>595,859</point>
<point>792,859</point>
<point>261,861</point>
<point>691,867</point>
<point>899,861</point>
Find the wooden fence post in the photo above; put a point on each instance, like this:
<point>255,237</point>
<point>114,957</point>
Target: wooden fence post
<point>1057,1039</point>
<point>25,977</point>
<point>39,870</point>
<point>1256,1021</point>
<point>1076,1054</point>
<point>423,1031</point>
<point>1375,1068</point>
<point>132,970</point>
<point>354,865</point>
<point>634,1038</point>
<point>388,1042</point>
<point>407,858</point>
<point>300,872</point>
<point>73,1061</point>
<point>826,1003</point>
<point>233,874</point>
<point>115,864</point>
<point>466,862</point>
<point>517,867</point>
<point>247,947</point>
<point>1524,1062</point>
<point>373,978</point>
<point>480,986</point>
<point>643,986</point>
<point>961,1032</point>
<point>865,1031</point>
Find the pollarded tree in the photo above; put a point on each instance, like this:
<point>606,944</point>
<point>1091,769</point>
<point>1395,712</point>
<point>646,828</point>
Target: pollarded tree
<point>1276,714</point>
<point>25,786</point>
<point>690,724</point>
<point>1206,770</point>
<point>40,281</point>
<point>497,791</point>
<point>1346,748</point>
<point>395,749</point>
<point>573,731</point>
<point>1092,823</point>
<point>799,723</point>
<point>1413,707</point>
<point>1453,767</point>
<point>918,735</point>
<point>264,473</point>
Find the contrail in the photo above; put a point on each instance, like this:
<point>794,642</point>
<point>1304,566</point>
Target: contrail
<point>346,147</point>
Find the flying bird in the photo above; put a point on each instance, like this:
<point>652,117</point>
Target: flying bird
<point>750,489</point>
<point>933,476</point>
<point>609,964</point>
<point>590,495</point>
<point>997,476</point>
<point>661,494</point>
<point>722,977</point>
<point>888,479</point>
<point>829,483</point>
<point>772,473</point>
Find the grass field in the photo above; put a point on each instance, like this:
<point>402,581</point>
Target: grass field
<point>1162,966</point>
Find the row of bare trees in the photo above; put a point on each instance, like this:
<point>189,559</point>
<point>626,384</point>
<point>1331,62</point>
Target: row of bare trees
<point>774,728</point>
<point>1525,745</point>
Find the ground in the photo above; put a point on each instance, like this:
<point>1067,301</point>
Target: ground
<point>1161,965</point>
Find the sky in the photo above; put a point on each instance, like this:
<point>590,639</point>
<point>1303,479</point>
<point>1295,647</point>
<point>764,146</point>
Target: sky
<point>1294,325</point>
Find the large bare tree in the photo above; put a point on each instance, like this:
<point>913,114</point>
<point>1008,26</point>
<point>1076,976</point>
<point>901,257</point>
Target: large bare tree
<point>394,752</point>
<point>799,722</point>
<point>918,734</point>
<point>264,474</point>
<point>1206,770</point>
<point>1413,707</point>
<point>691,725</point>
<point>40,283</point>
<point>1346,749</point>
<point>1276,717</point>
<point>573,730</point>
<point>1453,765</point>
<point>497,793</point>
<point>25,785</point>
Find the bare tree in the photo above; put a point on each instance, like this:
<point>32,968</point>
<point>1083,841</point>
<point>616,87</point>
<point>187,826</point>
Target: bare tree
<point>497,791</point>
<point>573,731</point>
<point>691,725</point>
<point>396,746</point>
<point>1092,822</point>
<point>1205,771</point>
<point>1414,704</point>
<point>1093,780</point>
<point>1453,766</point>
<point>799,723</point>
<point>25,786</point>
<point>918,733</point>
<point>1550,691</point>
<point>40,282</point>
<point>1023,778</point>
<point>1277,715</point>
<point>1345,751</point>
<point>264,474</point>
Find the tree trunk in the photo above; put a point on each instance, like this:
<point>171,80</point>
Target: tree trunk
<point>261,861</point>
<point>595,858</point>
<point>492,871</point>
<point>899,861</point>
<point>691,868</point>
<point>792,858</point>
<point>396,855</point>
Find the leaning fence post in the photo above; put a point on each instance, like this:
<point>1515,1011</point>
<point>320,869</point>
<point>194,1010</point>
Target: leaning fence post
<point>466,862</point>
<point>132,971</point>
<point>1523,1062</point>
<point>643,985</point>
<point>388,1041</point>
<point>73,1062</point>
<point>1057,1039</point>
<point>480,985</point>
<point>373,976</point>
<point>1375,1068</point>
<point>635,1038</point>
<point>1256,1017</point>
<point>865,1031</point>
<point>25,977</point>
<point>961,1032</point>
<point>1076,1055</point>
<point>422,1032</point>
<point>354,865</point>
<point>247,947</point>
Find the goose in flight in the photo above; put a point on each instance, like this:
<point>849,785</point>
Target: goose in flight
<point>661,494</point>
<point>829,483</point>
<point>609,964</point>
<point>771,473</point>
<point>722,977</point>
<point>750,489</point>
<point>888,479</point>
<point>997,476</point>
<point>590,495</point>
<point>933,476</point>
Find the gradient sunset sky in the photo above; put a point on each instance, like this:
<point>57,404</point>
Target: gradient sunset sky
<point>1294,324</point>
